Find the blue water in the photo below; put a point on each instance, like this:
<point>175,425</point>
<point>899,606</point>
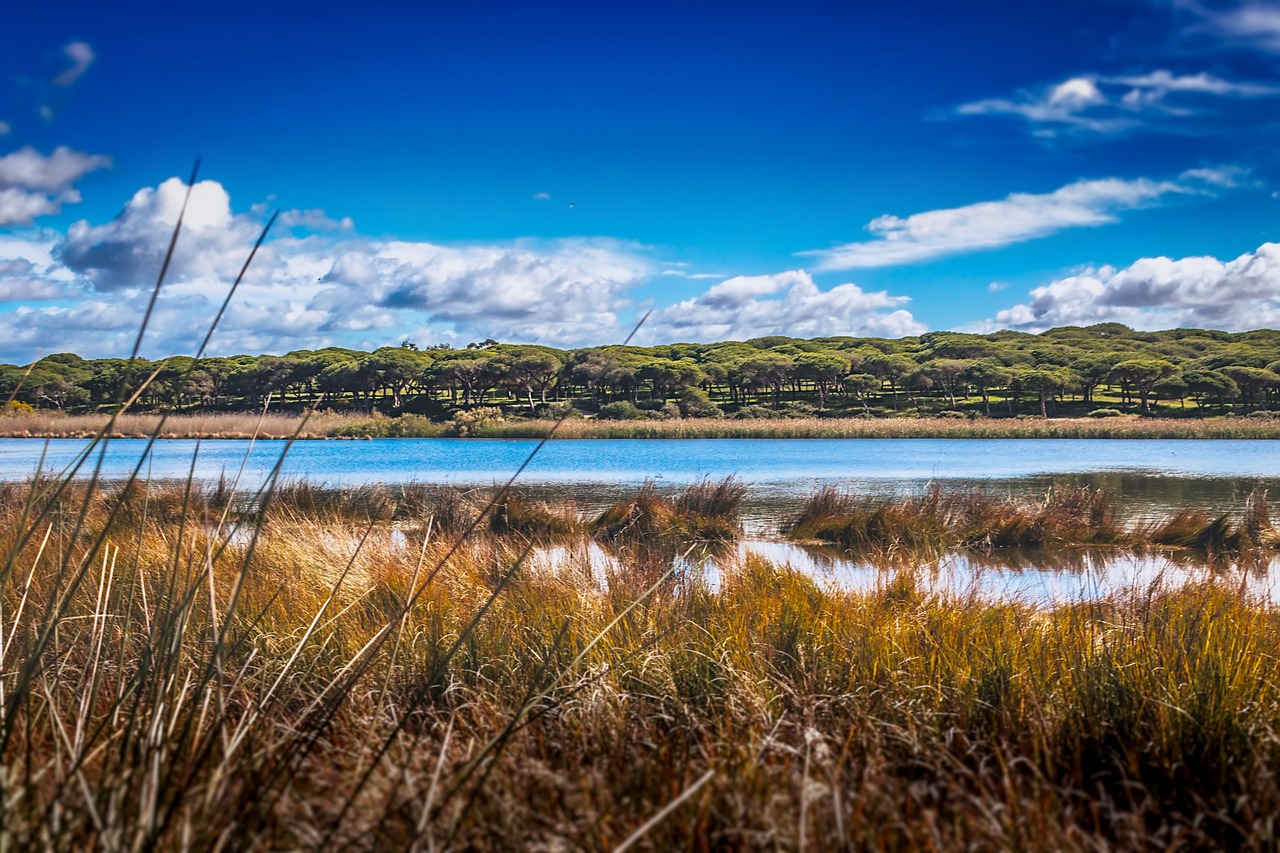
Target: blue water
<point>786,464</point>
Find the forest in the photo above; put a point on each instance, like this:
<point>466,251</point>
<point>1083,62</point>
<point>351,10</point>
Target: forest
<point>1101,370</point>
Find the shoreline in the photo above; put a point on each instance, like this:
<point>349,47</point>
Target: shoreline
<point>333,426</point>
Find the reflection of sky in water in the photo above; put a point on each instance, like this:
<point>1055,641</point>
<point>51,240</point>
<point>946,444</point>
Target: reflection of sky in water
<point>1151,477</point>
<point>1089,575</point>
<point>789,464</point>
<point>1086,576</point>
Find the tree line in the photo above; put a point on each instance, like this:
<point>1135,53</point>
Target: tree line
<point>1002,373</point>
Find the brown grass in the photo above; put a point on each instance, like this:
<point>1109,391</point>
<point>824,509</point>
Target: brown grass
<point>169,681</point>
<point>45,424</point>
<point>937,521</point>
<point>231,425</point>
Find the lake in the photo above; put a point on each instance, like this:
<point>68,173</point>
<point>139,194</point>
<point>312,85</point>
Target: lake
<point>1152,477</point>
<point>801,462</point>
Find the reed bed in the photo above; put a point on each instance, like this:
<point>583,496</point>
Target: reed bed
<point>706,511</point>
<point>290,675</point>
<point>324,425</point>
<point>893,427</point>
<point>934,522</point>
<point>214,425</point>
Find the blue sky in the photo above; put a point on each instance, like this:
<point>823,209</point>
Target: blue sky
<point>465,171</point>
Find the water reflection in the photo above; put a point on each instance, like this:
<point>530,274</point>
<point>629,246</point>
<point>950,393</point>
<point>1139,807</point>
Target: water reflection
<point>1041,579</point>
<point>1044,579</point>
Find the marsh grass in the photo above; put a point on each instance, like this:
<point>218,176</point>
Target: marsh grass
<point>897,427</point>
<point>934,522</point>
<point>214,425</point>
<point>706,511</point>
<point>887,718</point>
<point>327,424</point>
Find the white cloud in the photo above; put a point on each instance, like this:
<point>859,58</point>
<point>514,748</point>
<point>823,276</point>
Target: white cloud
<point>87,290</point>
<point>33,184</point>
<point>1067,103</point>
<point>127,251</point>
<point>1016,218</point>
<point>1254,23</point>
<point>314,220</point>
<point>564,292</point>
<point>1075,93</point>
<point>787,303</point>
<point>542,196</point>
<point>1160,293</point>
<point>29,272</point>
<point>678,271</point>
<point>1113,104</point>
<point>81,56</point>
<point>5,128</point>
<point>329,286</point>
<point>53,174</point>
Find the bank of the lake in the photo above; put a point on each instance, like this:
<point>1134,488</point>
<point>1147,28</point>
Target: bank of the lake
<point>337,425</point>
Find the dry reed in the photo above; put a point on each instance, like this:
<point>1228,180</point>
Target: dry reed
<point>193,690</point>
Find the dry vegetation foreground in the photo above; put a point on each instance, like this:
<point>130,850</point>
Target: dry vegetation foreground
<point>183,670</point>
<point>478,424</point>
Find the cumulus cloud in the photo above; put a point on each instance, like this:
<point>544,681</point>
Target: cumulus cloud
<point>555,293</point>
<point>34,184</point>
<point>87,289</point>
<point>323,285</point>
<point>1159,293</point>
<point>1112,104</point>
<point>789,303</point>
<point>127,251</point>
<point>990,224</point>
<point>81,56</point>
<point>29,272</point>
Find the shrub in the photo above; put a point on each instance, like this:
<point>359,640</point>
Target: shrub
<point>670,411</point>
<point>1106,413</point>
<point>470,421</point>
<point>696,403</point>
<point>797,410</point>
<point>952,414</point>
<point>17,407</point>
<point>556,411</point>
<point>410,426</point>
<point>755,412</point>
<point>622,410</point>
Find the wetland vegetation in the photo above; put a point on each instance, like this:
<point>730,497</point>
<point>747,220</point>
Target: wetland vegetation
<point>189,665</point>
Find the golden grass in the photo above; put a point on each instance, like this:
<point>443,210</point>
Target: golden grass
<point>1137,428</point>
<point>325,424</point>
<point>935,522</point>
<point>229,425</point>
<point>171,683</point>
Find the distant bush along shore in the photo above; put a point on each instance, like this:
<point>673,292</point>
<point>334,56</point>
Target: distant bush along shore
<point>1105,380</point>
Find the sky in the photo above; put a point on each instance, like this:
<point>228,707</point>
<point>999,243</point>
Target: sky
<point>549,173</point>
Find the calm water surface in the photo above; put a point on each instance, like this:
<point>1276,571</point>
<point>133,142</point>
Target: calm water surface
<point>793,462</point>
<point>1151,476</point>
